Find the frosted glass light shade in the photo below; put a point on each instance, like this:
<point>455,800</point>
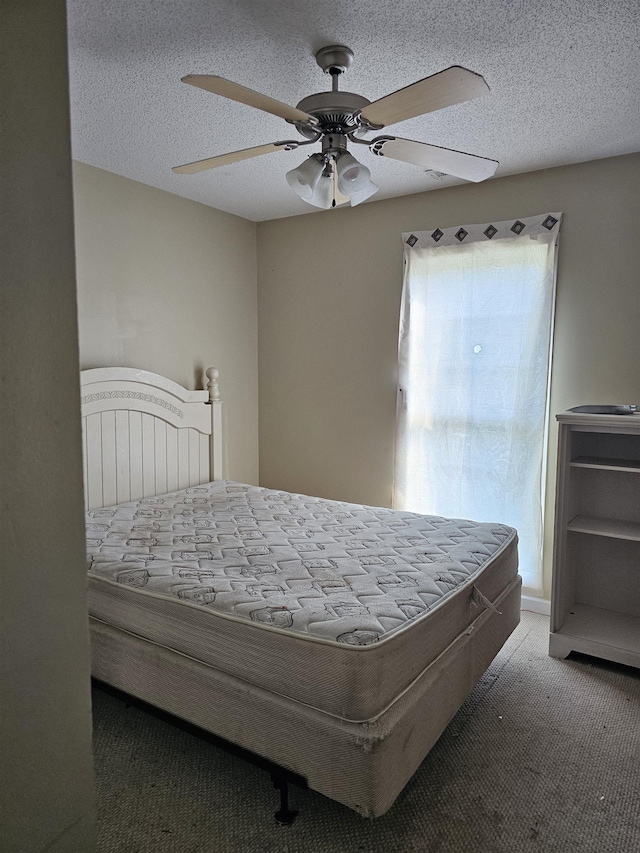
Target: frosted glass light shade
<point>304,178</point>
<point>323,193</point>
<point>352,176</point>
<point>362,195</point>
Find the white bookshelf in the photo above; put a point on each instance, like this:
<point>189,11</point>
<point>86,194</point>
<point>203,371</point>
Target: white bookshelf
<point>595,599</point>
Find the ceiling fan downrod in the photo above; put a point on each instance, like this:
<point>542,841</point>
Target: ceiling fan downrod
<point>335,112</point>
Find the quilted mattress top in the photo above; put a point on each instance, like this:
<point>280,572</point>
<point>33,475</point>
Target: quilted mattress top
<point>325,569</point>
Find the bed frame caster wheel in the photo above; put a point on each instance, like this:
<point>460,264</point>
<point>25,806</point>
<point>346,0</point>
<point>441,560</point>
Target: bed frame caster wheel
<point>284,816</point>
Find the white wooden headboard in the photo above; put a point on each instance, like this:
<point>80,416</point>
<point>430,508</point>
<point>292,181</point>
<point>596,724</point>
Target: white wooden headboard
<point>145,435</point>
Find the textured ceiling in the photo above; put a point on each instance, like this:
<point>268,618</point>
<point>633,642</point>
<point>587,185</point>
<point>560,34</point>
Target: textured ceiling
<point>564,78</point>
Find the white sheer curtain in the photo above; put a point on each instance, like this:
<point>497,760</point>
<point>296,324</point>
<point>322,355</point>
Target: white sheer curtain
<point>474,356</point>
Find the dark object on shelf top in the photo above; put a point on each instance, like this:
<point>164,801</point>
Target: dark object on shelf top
<point>605,410</point>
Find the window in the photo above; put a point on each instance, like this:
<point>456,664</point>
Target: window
<point>475,347</point>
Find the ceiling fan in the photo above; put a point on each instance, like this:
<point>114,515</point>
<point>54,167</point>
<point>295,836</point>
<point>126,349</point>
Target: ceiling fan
<point>333,176</point>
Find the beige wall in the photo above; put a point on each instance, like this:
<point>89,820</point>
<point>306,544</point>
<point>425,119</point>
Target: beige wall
<point>329,296</point>
<point>46,779</point>
<point>169,285</point>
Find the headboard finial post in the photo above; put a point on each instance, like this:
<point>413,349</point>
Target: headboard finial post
<point>214,389</point>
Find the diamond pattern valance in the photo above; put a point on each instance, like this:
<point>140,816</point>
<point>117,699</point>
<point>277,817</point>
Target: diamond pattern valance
<point>532,225</point>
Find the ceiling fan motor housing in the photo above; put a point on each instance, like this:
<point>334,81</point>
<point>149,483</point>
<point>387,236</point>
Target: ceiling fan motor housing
<point>335,112</point>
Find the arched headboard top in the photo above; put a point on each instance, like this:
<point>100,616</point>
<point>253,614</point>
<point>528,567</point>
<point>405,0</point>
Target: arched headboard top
<point>145,434</point>
<point>103,387</point>
<point>98,375</point>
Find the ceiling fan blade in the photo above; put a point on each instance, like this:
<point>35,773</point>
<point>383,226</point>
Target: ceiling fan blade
<point>452,86</point>
<point>236,92</point>
<point>455,163</point>
<point>233,157</point>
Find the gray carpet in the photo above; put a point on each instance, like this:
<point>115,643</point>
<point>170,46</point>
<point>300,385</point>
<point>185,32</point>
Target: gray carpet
<point>543,756</point>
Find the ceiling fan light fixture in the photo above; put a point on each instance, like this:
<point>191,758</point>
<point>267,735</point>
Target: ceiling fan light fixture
<point>305,177</point>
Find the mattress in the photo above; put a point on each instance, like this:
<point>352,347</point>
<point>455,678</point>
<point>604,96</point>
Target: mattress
<point>337,606</point>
